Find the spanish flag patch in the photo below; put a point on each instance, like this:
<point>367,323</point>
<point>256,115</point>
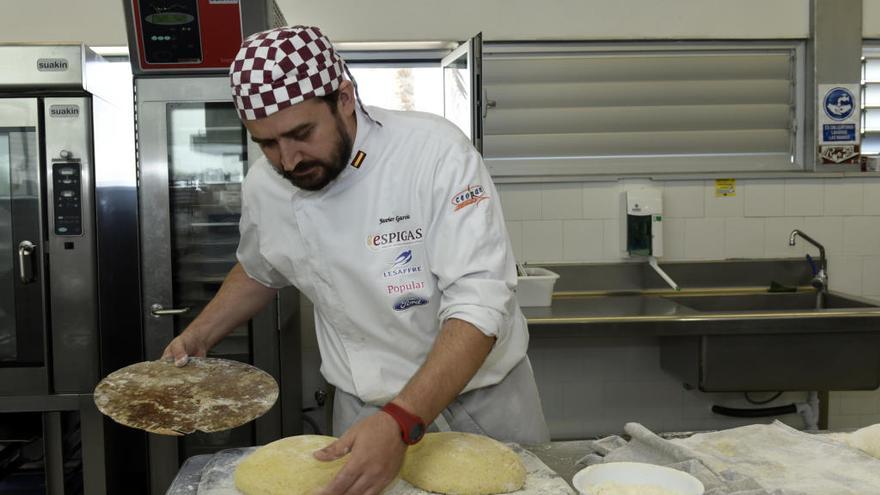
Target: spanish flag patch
<point>358,159</point>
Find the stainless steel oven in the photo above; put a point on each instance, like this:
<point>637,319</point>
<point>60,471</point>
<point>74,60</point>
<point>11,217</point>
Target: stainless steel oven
<point>61,160</point>
<point>193,155</point>
<point>69,271</point>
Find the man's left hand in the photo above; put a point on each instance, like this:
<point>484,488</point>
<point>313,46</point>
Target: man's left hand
<point>377,451</point>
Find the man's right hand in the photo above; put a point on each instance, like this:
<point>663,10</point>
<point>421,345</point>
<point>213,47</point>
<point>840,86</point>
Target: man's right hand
<point>183,346</point>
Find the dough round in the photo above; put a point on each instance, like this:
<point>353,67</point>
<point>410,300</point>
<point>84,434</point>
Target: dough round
<point>867,439</point>
<point>463,464</point>
<point>287,467</point>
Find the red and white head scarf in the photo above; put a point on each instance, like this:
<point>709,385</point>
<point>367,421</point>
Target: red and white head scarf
<point>281,67</point>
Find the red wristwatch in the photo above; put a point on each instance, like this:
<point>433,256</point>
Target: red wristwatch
<point>412,428</point>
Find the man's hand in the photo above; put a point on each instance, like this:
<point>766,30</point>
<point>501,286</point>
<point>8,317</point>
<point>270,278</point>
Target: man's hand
<point>183,346</point>
<point>377,451</point>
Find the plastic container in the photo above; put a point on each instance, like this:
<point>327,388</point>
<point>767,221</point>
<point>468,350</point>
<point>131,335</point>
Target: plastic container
<point>627,474</point>
<point>536,289</point>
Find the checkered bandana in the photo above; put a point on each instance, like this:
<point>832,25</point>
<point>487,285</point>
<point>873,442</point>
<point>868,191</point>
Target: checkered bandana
<point>281,67</point>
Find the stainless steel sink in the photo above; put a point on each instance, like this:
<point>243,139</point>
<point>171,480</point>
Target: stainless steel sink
<point>797,301</point>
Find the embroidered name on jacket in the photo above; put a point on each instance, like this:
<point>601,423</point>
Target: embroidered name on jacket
<point>470,196</point>
<point>394,239</point>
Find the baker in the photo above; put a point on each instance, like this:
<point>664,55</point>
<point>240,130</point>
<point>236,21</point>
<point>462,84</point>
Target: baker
<point>390,224</point>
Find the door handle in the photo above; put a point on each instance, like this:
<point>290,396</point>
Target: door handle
<point>158,310</point>
<point>25,259</point>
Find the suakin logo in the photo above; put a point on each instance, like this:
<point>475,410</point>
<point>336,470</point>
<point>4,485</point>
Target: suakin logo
<point>470,196</point>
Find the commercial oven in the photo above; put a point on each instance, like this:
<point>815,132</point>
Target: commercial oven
<point>193,153</point>
<point>69,270</point>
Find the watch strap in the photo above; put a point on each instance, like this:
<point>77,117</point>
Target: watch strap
<point>412,427</point>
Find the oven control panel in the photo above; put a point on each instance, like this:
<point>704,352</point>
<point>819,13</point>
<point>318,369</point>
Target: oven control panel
<point>67,200</point>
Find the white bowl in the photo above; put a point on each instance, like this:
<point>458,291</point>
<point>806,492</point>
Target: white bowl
<point>636,473</point>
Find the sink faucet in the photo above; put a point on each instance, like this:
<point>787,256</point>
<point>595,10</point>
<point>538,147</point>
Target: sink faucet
<point>820,279</point>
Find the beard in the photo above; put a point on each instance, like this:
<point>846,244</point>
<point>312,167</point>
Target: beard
<point>313,175</point>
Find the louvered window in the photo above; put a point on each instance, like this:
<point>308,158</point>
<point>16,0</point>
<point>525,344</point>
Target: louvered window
<point>871,100</point>
<point>578,108</point>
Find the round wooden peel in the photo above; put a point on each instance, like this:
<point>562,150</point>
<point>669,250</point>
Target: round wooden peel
<point>208,394</point>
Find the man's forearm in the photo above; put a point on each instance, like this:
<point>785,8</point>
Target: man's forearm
<point>238,300</point>
<point>457,354</point>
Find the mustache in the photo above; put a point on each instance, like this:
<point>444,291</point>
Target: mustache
<point>303,167</point>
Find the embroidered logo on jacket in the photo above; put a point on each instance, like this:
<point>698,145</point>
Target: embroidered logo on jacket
<point>401,265</point>
<point>407,301</point>
<point>405,287</point>
<point>470,196</point>
<point>393,239</point>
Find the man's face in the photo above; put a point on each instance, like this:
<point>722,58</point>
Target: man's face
<point>308,143</point>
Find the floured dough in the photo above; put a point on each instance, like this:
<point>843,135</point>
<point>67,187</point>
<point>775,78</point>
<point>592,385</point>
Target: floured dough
<point>614,488</point>
<point>866,439</point>
<point>463,464</point>
<point>287,467</point>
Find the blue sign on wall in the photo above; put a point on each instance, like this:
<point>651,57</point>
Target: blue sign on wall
<point>838,104</point>
<point>838,132</point>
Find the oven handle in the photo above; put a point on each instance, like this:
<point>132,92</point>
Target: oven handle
<point>25,258</point>
<point>158,310</point>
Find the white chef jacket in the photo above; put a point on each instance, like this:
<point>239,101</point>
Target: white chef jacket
<point>388,251</point>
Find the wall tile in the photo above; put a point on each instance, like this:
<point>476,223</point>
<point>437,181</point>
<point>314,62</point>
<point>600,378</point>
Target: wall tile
<point>514,231</point>
<point>612,251</point>
<point>871,275</point>
<point>602,200</point>
<point>804,197</point>
<point>844,196</point>
<point>704,238</point>
<point>826,230</point>
<point>744,238</point>
<point>871,200</point>
<point>861,235</point>
<point>583,240</point>
<point>845,274</point>
<point>562,201</point>
<point>673,238</point>
<point>542,241</point>
<point>867,402</point>
<point>764,198</point>
<point>520,201</point>
<point>684,199</point>
<point>776,232</point>
<point>727,206</point>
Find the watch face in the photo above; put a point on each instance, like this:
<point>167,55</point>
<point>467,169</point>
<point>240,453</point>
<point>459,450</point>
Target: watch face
<point>415,434</point>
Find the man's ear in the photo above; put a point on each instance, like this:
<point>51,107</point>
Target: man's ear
<point>347,100</point>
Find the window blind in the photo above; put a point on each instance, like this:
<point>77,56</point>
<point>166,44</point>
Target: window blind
<point>871,100</point>
<point>569,109</point>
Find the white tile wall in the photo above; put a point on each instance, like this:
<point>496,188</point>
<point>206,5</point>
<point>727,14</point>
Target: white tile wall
<point>704,238</point>
<point>764,198</point>
<point>593,386</point>
<point>562,201</point>
<point>844,196</point>
<point>684,199</point>
<point>521,201</point>
<point>583,240</point>
<point>804,197</point>
<point>542,240</point>
<point>744,238</point>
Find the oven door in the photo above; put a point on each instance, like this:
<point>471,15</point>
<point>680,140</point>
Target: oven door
<point>22,271</point>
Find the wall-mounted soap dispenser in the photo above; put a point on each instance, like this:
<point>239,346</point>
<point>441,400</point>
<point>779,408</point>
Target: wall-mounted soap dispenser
<point>644,217</point>
<point>643,227</point>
